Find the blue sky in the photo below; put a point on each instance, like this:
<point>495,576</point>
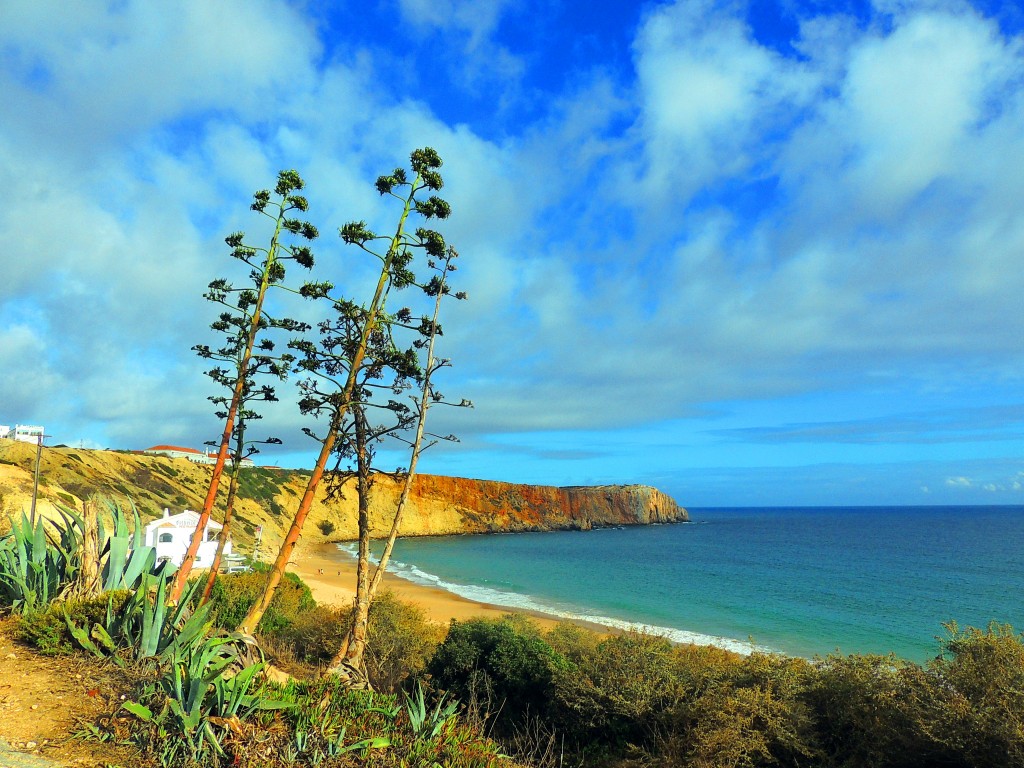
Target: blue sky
<point>749,252</point>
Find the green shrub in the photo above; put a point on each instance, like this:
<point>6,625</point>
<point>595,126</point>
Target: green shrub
<point>981,704</point>
<point>868,711</point>
<point>315,635</point>
<point>401,642</point>
<point>614,689</point>
<point>755,717</point>
<point>400,639</point>
<point>234,594</point>
<point>47,631</point>
<point>505,661</point>
<point>326,527</point>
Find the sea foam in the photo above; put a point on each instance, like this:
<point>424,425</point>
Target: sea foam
<point>513,600</point>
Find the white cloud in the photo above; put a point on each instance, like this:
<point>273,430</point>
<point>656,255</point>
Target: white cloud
<point>707,91</point>
<point>733,223</point>
<point>98,73</point>
<point>479,58</point>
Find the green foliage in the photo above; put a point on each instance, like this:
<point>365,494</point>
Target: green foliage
<point>47,630</point>
<point>980,710</point>
<point>330,725</point>
<point>613,688</point>
<point>401,642</point>
<point>187,711</point>
<point>145,626</point>
<point>636,700</point>
<point>315,634</point>
<point>36,566</point>
<point>326,527</point>
<point>234,594</point>
<point>756,717</point>
<point>259,484</point>
<point>40,563</point>
<point>126,559</point>
<point>867,709</point>
<point>504,660</point>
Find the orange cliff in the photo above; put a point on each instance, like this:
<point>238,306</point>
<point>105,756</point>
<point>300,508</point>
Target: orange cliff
<point>451,505</point>
<point>268,497</point>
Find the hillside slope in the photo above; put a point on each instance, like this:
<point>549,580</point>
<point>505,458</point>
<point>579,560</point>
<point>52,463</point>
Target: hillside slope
<point>267,497</point>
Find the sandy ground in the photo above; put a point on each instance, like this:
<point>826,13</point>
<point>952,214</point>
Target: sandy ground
<point>331,576</point>
<point>45,699</point>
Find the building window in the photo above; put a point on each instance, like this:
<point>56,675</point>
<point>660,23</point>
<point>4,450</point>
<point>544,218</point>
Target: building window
<point>166,538</point>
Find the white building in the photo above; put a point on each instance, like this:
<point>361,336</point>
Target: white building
<point>171,534</point>
<point>196,457</point>
<point>23,432</point>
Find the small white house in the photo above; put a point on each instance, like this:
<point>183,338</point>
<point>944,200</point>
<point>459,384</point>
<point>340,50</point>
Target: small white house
<point>171,534</point>
<point>196,457</point>
<point>24,432</point>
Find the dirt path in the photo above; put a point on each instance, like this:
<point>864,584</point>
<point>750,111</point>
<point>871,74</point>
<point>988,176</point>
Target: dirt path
<point>45,701</point>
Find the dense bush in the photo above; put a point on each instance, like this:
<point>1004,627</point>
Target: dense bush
<point>47,631</point>
<point>868,710</point>
<point>503,661</point>
<point>636,700</point>
<point>611,689</point>
<point>234,594</point>
<point>401,642</point>
<point>756,716</point>
<point>316,634</point>
<point>980,710</point>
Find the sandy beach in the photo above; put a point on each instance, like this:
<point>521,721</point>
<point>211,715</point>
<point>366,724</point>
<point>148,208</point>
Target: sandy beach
<point>331,577</point>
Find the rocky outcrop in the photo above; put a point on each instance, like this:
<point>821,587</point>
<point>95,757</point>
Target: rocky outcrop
<point>457,505</point>
<point>268,497</point>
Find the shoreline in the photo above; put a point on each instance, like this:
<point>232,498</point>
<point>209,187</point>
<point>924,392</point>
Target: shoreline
<point>336,586</point>
<point>331,577</point>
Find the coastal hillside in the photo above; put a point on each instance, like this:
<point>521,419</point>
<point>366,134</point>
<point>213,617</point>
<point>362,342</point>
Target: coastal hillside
<point>267,497</point>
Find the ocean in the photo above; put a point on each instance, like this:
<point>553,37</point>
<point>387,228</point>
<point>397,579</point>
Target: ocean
<point>800,581</point>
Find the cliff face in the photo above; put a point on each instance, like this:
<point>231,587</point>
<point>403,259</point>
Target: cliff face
<point>457,505</point>
<point>268,497</point>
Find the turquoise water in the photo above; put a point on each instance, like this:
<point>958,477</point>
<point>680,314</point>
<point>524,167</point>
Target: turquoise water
<point>801,581</point>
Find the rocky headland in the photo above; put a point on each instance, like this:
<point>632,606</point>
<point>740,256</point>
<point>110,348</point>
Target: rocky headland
<point>267,496</point>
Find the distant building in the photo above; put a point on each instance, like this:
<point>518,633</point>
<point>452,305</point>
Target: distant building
<point>196,457</point>
<point>23,432</point>
<point>170,536</point>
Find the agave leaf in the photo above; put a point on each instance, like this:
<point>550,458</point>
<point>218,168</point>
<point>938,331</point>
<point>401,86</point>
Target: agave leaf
<point>100,635</point>
<point>138,532</point>
<point>139,710</point>
<point>377,742</point>
<point>113,568</point>
<point>194,630</point>
<point>141,560</point>
<point>153,613</point>
<point>82,637</point>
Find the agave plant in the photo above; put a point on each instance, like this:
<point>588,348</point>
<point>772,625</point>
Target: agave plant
<point>426,723</point>
<point>145,626</point>
<point>125,557</point>
<point>194,702</point>
<point>41,561</point>
<point>37,567</point>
